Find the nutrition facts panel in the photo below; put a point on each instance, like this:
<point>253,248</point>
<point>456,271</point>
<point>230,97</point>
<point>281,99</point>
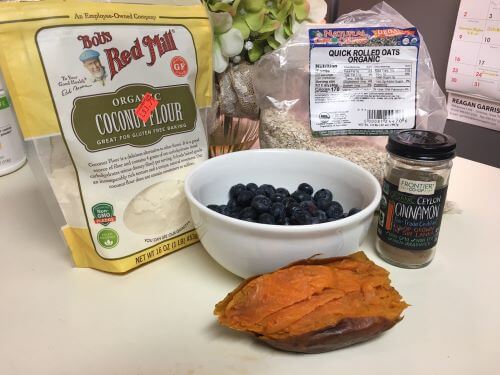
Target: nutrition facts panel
<point>363,97</point>
<point>473,76</point>
<point>362,80</point>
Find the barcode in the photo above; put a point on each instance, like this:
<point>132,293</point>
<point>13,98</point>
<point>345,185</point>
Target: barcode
<point>385,114</point>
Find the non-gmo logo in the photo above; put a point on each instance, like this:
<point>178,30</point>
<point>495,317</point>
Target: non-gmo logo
<point>103,213</point>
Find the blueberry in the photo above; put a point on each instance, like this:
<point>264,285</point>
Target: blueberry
<point>222,207</point>
<point>291,208</point>
<point>283,191</point>
<point>266,218</point>
<point>309,206</point>
<point>287,201</point>
<point>306,188</point>
<point>323,194</point>
<point>353,211</point>
<point>335,211</point>
<point>248,213</point>
<point>214,207</point>
<point>301,217</point>
<point>249,219</point>
<point>261,203</point>
<point>268,189</point>
<point>232,208</point>
<point>321,215</point>
<point>277,205</point>
<point>228,212</point>
<point>279,213</point>
<point>301,196</point>
<point>252,187</point>
<point>244,198</point>
<point>232,205</point>
<point>235,190</point>
<point>276,197</point>
<point>323,203</point>
<point>315,220</point>
<point>260,191</point>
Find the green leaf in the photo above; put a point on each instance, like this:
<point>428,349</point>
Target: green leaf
<point>279,34</point>
<point>221,22</point>
<point>287,27</point>
<point>273,8</point>
<point>269,25</point>
<point>240,24</point>
<point>255,20</point>
<point>301,9</point>
<point>256,52</point>
<point>218,7</point>
<point>284,12</point>
<point>236,4</point>
<point>264,36</point>
<point>283,3</point>
<point>273,42</point>
<point>254,6</point>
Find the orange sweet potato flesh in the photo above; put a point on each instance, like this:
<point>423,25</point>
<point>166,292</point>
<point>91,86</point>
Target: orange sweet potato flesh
<point>315,305</point>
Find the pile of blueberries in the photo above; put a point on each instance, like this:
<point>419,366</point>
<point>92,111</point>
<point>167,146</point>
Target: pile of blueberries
<point>268,205</point>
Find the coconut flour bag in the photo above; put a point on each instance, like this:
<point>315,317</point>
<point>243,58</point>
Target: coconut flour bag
<point>109,94</point>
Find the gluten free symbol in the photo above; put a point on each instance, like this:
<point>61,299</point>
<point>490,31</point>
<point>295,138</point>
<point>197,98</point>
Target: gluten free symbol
<point>179,66</point>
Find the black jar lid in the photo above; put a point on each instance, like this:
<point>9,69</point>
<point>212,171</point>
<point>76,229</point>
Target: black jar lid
<point>422,145</point>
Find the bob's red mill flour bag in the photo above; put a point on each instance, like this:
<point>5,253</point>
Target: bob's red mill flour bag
<point>109,95</point>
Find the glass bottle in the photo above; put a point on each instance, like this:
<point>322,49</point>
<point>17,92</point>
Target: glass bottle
<point>413,196</point>
<point>12,155</point>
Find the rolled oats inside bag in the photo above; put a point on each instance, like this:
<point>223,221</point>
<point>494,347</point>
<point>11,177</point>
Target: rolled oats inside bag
<point>342,88</point>
<point>108,94</point>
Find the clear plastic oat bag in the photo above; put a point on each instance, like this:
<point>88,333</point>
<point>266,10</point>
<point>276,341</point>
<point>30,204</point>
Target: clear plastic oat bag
<point>342,88</point>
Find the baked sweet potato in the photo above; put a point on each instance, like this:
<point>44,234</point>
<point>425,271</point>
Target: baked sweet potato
<point>315,305</point>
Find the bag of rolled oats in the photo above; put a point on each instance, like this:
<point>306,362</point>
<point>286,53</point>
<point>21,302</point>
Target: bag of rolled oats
<point>341,88</point>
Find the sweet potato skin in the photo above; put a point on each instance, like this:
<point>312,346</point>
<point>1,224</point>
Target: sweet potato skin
<point>346,332</point>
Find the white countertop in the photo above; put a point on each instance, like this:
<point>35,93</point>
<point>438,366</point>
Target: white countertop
<point>56,319</point>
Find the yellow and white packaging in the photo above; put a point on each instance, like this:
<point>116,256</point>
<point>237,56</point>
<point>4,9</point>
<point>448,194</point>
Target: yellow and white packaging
<point>109,95</point>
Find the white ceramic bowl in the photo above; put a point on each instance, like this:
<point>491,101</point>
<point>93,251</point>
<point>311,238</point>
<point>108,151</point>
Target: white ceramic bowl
<point>247,249</point>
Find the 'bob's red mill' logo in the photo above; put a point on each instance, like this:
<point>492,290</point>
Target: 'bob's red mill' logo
<point>156,46</point>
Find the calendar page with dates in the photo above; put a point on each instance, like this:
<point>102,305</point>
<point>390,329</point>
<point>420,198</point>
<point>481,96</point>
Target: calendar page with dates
<point>473,75</point>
